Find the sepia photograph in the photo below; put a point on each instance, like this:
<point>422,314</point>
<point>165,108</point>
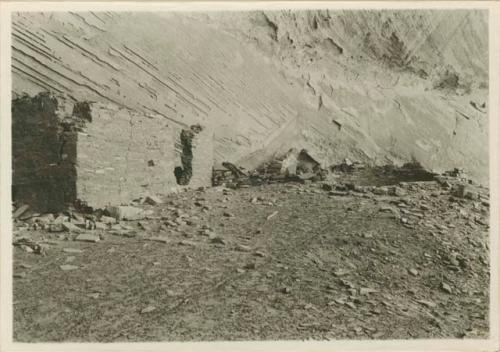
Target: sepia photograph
<point>287,173</point>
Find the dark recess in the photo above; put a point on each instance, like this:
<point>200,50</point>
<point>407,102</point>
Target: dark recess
<point>184,173</point>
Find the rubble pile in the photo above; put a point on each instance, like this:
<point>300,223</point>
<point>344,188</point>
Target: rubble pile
<point>364,174</point>
<point>293,166</point>
<point>230,175</point>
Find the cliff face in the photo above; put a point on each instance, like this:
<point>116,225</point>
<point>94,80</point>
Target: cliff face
<point>377,86</point>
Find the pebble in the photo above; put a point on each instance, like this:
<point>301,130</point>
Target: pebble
<point>218,239</point>
<point>350,304</point>
<point>269,217</point>
<point>27,249</point>
<point>413,271</point>
<point>366,290</point>
<point>160,239</point>
<point>72,250</point>
<point>446,288</point>
<point>340,272</point>
<point>428,304</point>
<point>148,309</point>
<point>250,266</point>
<point>243,248</point>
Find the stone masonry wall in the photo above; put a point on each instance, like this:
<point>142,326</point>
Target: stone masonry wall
<point>43,153</point>
<point>123,155</point>
<point>98,154</point>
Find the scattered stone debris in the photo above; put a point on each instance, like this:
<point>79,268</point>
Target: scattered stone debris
<point>30,246</point>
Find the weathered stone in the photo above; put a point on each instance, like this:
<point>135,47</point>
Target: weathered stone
<point>338,193</point>
<point>218,239</point>
<point>187,243</point>
<point>70,227</point>
<point>286,290</point>
<point>413,271</point>
<point>72,250</point>
<point>86,237</point>
<point>426,303</point>
<point>60,219</point>
<point>381,191</point>
<point>46,219</point>
<point>20,211</point>
<point>107,219</point>
<point>148,309</point>
<point>56,228</point>
<point>367,290</point>
<point>272,215</point>
<point>397,191</point>
<point>100,225</point>
<point>243,248</point>
<point>127,212</point>
<point>160,239</point>
<point>327,187</point>
<point>250,266</point>
<point>446,288</point>
<point>153,200</point>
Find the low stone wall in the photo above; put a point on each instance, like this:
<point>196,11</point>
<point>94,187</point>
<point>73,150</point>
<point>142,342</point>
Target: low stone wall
<point>94,153</point>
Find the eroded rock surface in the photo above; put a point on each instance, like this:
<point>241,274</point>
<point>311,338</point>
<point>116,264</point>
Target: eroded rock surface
<point>368,85</point>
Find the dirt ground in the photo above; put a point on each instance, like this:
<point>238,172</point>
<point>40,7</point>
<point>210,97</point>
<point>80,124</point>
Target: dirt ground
<point>282,261</point>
